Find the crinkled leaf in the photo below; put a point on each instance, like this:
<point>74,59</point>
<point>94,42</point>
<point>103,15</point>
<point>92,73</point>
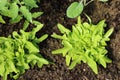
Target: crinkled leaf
<point>12,65</point>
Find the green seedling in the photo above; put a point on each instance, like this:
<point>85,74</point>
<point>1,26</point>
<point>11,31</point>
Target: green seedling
<point>17,9</point>
<point>85,43</point>
<point>76,8</point>
<point>20,51</point>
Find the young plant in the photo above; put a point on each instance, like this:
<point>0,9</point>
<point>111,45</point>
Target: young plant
<point>17,9</point>
<point>20,51</point>
<point>76,8</point>
<point>85,43</point>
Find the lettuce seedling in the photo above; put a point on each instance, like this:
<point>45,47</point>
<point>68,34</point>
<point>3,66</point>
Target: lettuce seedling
<point>85,43</point>
<point>17,9</point>
<point>20,51</point>
<point>76,8</point>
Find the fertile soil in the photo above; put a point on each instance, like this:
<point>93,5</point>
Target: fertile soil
<point>55,12</point>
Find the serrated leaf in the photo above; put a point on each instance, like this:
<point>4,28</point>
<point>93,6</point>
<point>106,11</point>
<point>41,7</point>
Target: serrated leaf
<point>36,14</point>
<point>26,13</point>
<point>2,20</point>
<point>75,9</point>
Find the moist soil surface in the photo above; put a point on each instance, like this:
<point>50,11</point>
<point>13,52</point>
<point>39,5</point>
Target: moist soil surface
<point>55,12</point>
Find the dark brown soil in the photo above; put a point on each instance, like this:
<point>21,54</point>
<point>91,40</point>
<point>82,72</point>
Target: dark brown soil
<point>54,12</point>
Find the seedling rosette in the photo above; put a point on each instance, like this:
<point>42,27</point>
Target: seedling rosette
<point>20,51</point>
<point>85,43</point>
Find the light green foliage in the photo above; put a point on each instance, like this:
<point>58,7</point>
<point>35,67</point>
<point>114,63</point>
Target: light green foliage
<point>76,8</point>
<point>86,42</point>
<point>19,51</point>
<point>17,9</point>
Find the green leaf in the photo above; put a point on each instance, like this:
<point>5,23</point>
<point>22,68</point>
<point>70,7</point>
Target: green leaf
<point>92,65</point>
<point>36,14</point>
<point>2,4</point>
<point>75,9</point>
<point>2,69</point>
<point>14,10</point>
<point>12,65</point>
<point>108,33</point>
<point>25,25</point>
<point>5,11</point>
<point>32,57</point>
<point>31,3</point>
<point>58,36</point>
<point>63,29</point>
<point>16,20</point>
<point>68,58</point>
<point>31,47</point>
<point>26,13</point>
<point>102,62</point>
<point>41,38</point>
<point>2,20</point>
<point>36,23</point>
